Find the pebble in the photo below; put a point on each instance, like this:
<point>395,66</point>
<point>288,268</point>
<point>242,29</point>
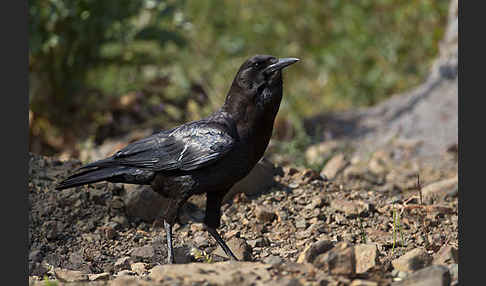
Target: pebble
<point>138,268</point>
<point>301,223</point>
<point>122,263</point>
<point>125,273</point>
<point>264,215</point>
<point>146,251</point>
<point>359,282</point>
<point>98,277</point>
<point>350,208</point>
<point>334,166</point>
<point>66,275</point>
<point>313,250</point>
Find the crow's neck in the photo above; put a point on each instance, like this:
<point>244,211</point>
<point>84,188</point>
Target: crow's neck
<point>254,122</point>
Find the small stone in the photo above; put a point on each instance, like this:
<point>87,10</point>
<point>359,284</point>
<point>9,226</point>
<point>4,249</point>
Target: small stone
<point>313,250</point>
<point>413,260</point>
<point>239,247</point>
<point>125,273</point>
<point>66,275</point>
<point>316,202</point>
<point>350,208</point>
<point>439,190</point>
<point>98,277</point>
<point>447,254</point>
<point>334,166</point>
<point>301,223</point>
<point>435,275</point>
<point>273,259</point>
<point>122,263</point>
<point>138,268</point>
<point>359,282</point>
<point>293,185</point>
<point>109,232</point>
<point>340,260</point>
<point>146,251</point>
<point>51,229</point>
<point>264,215</point>
<point>366,257</point>
<point>282,216</point>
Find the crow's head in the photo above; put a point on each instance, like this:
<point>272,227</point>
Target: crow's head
<point>261,71</point>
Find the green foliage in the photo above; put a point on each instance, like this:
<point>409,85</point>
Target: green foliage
<point>397,229</point>
<point>353,53</point>
<point>75,43</point>
<point>48,282</point>
<point>362,231</point>
<point>201,255</point>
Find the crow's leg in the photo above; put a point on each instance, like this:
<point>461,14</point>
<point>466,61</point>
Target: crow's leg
<point>221,242</point>
<point>170,249</point>
<point>212,219</point>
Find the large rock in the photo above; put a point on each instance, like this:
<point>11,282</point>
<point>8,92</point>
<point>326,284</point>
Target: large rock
<point>413,260</point>
<point>66,275</point>
<point>366,257</point>
<point>334,166</point>
<point>426,113</point>
<point>340,260</point>
<point>143,202</point>
<point>257,181</point>
<point>436,275</point>
<point>448,254</point>
<point>219,273</point>
<point>438,191</point>
<point>240,249</point>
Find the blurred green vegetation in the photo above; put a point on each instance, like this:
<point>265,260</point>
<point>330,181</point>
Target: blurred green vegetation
<point>179,58</point>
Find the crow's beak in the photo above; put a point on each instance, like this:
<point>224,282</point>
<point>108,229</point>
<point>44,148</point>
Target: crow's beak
<point>283,62</point>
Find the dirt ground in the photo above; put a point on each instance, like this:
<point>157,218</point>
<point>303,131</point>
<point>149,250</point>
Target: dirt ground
<point>384,213</point>
<point>87,229</point>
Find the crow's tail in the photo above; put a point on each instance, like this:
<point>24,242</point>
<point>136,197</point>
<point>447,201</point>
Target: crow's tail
<point>91,176</point>
<point>114,174</point>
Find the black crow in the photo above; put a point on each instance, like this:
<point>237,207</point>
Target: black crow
<point>205,156</point>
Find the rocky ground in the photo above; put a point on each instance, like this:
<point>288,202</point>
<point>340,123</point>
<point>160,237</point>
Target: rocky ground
<point>382,211</point>
<point>360,221</point>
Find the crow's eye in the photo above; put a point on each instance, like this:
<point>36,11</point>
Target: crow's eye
<point>257,65</point>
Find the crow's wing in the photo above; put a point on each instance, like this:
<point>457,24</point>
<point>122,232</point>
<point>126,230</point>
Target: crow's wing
<point>188,147</point>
